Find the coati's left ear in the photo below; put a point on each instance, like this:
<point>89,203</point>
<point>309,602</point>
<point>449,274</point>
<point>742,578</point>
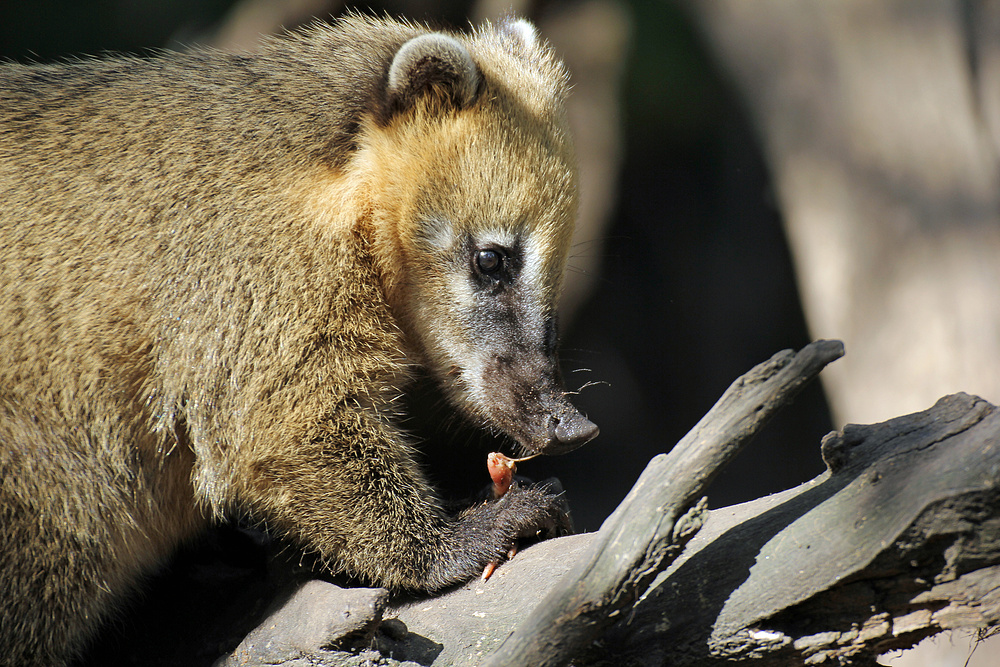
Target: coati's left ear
<point>521,31</point>
<point>432,64</point>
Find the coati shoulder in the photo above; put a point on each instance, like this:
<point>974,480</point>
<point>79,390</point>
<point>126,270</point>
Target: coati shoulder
<point>217,275</point>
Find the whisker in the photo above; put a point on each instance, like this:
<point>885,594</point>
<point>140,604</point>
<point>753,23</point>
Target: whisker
<point>579,349</point>
<point>589,242</point>
<point>593,383</point>
<point>589,383</point>
<point>599,241</point>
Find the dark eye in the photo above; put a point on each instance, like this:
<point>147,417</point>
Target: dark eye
<point>489,261</point>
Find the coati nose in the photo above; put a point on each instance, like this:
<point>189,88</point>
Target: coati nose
<point>576,431</point>
<point>571,431</point>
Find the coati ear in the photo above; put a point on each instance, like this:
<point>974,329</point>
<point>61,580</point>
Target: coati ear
<point>432,64</point>
<point>520,30</point>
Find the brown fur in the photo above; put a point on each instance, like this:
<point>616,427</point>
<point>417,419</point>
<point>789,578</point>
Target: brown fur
<point>216,275</point>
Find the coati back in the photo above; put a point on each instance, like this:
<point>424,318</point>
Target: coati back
<point>217,274</point>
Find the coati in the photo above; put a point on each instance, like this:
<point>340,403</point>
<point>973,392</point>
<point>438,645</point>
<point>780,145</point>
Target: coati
<point>218,273</point>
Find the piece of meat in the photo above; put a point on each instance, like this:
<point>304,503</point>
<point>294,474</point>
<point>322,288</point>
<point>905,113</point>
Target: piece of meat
<point>501,469</point>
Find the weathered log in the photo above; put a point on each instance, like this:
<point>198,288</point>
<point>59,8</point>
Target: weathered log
<point>315,616</point>
<point>637,542</point>
<point>658,516</point>
<point>898,540</point>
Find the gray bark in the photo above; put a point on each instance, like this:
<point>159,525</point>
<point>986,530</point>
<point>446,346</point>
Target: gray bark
<point>898,540</point>
<point>658,516</point>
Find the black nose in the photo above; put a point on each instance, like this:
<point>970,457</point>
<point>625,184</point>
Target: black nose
<point>572,431</point>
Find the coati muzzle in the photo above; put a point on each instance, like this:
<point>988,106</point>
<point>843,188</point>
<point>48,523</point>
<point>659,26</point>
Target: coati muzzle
<point>529,403</point>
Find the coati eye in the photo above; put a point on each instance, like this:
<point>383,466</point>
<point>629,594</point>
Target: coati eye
<point>491,266</point>
<point>489,261</point>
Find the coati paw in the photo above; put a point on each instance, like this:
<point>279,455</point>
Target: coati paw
<point>487,532</point>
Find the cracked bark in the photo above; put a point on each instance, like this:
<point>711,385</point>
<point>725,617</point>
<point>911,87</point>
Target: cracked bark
<point>897,541</point>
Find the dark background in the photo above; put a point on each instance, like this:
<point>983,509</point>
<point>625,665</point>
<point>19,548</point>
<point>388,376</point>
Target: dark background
<point>695,285</point>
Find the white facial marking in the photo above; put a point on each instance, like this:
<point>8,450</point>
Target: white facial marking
<point>498,236</point>
<point>533,276</point>
<point>439,232</point>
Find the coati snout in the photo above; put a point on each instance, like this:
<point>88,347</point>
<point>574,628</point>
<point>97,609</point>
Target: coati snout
<point>480,305</point>
<point>515,343</point>
<point>528,402</point>
<point>485,325</point>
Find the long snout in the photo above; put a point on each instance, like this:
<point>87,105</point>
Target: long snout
<point>528,401</point>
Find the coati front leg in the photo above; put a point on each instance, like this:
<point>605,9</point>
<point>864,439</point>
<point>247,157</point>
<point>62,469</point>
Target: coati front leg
<point>354,494</point>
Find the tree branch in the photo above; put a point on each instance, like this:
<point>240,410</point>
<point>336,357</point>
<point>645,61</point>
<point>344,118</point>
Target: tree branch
<point>657,518</point>
<point>897,541</point>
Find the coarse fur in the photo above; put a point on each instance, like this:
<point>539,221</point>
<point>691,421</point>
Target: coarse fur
<point>217,275</point>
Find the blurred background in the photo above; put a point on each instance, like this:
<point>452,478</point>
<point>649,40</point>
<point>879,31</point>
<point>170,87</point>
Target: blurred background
<point>753,176</point>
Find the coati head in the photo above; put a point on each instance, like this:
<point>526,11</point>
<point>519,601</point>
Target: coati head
<point>471,180</point>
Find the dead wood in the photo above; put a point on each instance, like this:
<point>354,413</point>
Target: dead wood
<point>618,564</point>
<point>898,540</point>
<point>658,516</point>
